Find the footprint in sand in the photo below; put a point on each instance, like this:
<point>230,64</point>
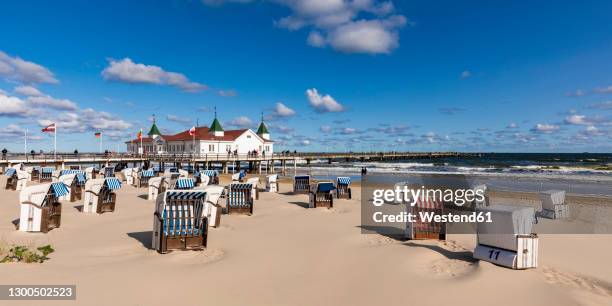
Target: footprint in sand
<point>576,281</point>
<point>376,240</point>
<point>450,268</point>
<point>334,210</point>
<point>457,261</point>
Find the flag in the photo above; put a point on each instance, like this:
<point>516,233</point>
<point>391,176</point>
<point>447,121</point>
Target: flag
<point>139,135</point>
<point>98,134</point>
<point>50,128</point>
<point>192,131</point>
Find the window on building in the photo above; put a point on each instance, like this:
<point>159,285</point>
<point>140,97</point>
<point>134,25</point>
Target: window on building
<point>211,148</point>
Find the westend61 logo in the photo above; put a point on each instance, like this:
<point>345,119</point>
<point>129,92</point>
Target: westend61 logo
<point>426,205</point>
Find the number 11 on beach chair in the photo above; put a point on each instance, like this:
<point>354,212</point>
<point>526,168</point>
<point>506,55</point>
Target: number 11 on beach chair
<point>508,239</point>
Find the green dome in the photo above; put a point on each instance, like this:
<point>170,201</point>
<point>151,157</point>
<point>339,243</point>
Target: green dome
<point>154,130</point>
<point>216,126</point>
<point>262,129</point>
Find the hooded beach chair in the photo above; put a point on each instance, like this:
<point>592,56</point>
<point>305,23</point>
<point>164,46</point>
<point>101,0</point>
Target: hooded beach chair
<point>212,208</point>
<point>143,178</point>
<point>46,174</point>
<point>202,179</point>
<point>183,173</point>
<point>156,186</point>
<point>100,195</point>
<point>508,240</point>
<point>55,175</point>
<point>421,229</point>
<point>271,183</point>
<point>90,173</point>
<point>213,175</point>
<point>485,202</point>
<point>129,175</point>
<point>75,180</point>
<point>322,195</point>
<point>239,198</point>
<point>41,210</point>
<point>68,180</point>
<point>301,184</point>
<point>34,173</point>
<point>255,191</point>
<point>11,179</point>
<point>236,177</point>
<point>553,205</point>
<point>343,187</point>
<point>108,171</point>
<point>182,183</point>
<point>179,222</point>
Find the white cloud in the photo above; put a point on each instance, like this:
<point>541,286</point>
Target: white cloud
<point>545,128</point>
<point>323,104</point>
<point>607,89</point>
<point>347,131</point>
<point>241,122</point>
<point>357,26</point>
<point>17,69</point>
<point>51,102</point>
<point>325,129</point>
<point>28,91</point>
<point>227,93</point>
<point>512,126</point>
<point>13,106</point>
<point>86,120</point>
<point>575,93</point>
<point>466,74</point>
<point>282,110</point>
<point>126,70</point>
<point>305,142</point>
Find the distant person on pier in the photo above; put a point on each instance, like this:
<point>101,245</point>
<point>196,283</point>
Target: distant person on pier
<point>4,151</point>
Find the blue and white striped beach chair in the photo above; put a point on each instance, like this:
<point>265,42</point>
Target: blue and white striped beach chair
<point>11,179</point>
<point>239,198</point>
<point>46,174</point>
<point>108,171</point>
<point>143,178</point>
<point>41,210</point>
<point>321,195</point>
<point>343,189</point>
<point>179,221</point>
<point>214,176</point>
<point>301,184</point>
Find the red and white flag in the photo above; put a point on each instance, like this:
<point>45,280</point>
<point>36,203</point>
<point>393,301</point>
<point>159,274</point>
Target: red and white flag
<point>192,131</point>
<point>50,128</point>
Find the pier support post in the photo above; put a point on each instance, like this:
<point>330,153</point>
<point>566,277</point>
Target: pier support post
<point>258,167</point>
<point>294,166</point>
<point>284,166</point>
<point>225,169</point>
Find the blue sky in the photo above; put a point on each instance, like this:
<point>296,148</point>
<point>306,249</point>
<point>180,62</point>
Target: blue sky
<point>524,76</point>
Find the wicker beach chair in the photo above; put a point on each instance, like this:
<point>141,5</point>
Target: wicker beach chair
<point>239,199</point>
<point>271,183</point>
<point>322,195</point>
<point>179,222</point>
<point>508,240</point>
<point>236,177</point>
<point>41,210</point>
<point>213,175</point>
<point>108,171</point>
<point>143,178</point>
<point>129,175</point>
<point>75,180</point>
<point>34,173</point>
<point>90,173</point>
<point>212,208</point>
<point>183,173</point>
<point>553,205</point>
<point>182,183</point>
<point>421,229</point>
<point>485,202</point>
<point>343,187</point>
<point>46,174</point>
<point>157,186</point>
<point>202,179</point>
<point>301,184</point>
<point>255,191</point>
<point>11,179</point>
<point>100,195</point>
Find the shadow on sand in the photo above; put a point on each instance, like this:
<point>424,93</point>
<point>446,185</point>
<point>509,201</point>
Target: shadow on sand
<point>466,256</point>
<point>143,237</point>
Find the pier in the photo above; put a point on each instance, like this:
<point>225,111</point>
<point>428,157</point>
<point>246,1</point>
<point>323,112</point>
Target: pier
<point>222,161</point>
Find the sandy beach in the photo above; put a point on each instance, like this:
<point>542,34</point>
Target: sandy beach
<point>286,254</point>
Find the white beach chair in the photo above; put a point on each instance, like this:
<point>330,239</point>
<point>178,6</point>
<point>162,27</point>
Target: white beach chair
<point>179,221</point>
<point>254,181</point>
<point>212,209</point>
<point>236,177</point>
<point>40,207</point>
<point>204,179</point>
<point>68,180</point>
<point>55,175</point>
<point>553,204</point>
<point>213,175</point>
<point>16,179</point>
<point>100,196</point>
<point>183,173</point>
<point>90,173</point>
<point>271,183</point>
<point>484,189</point>
<point>156,187</point>
<point>129,174</point>
<point>508,240</point>
<point>46,174</point>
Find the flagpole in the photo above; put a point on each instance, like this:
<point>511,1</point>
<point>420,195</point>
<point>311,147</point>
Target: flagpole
<point>55,142</point>
<point>25,144</point>
<point>141,148</point>
<point>100,150</point>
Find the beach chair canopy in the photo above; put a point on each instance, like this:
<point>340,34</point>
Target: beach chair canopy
<point>214,192</point>
<point>301,177</point>
<point>147,173</point>
<point>59,189</point>
<point>81,179</point>
<point>507,219</point>
<point>67,178</point>
<point>325,186</point>
<point>343,180</point>
<point>211,172</point>
<point>183,183</point>
<point>10,172</point>
<point>242,174</point>
<point>35,194</point>
<point>112,183</point>
<point>238,193</point>
<point>47,170</point>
